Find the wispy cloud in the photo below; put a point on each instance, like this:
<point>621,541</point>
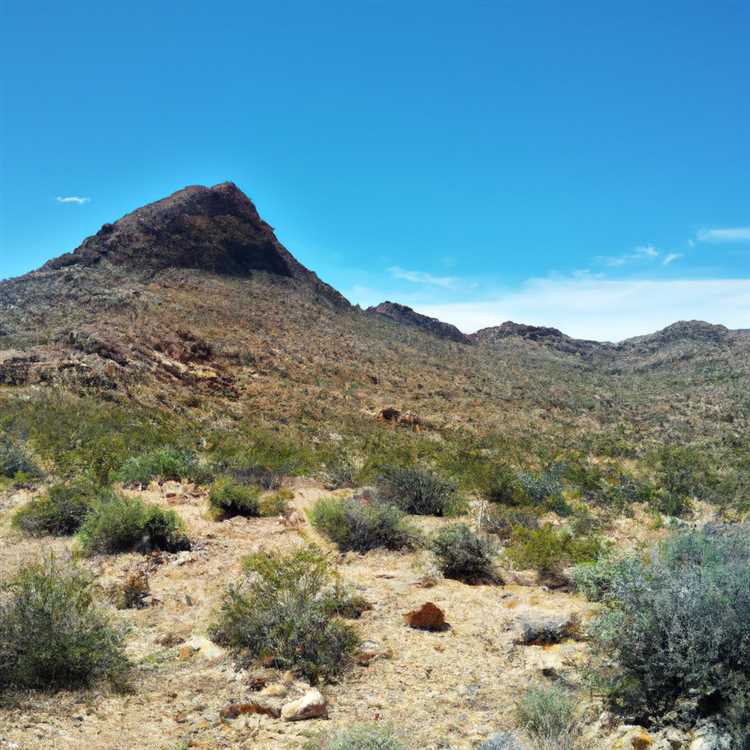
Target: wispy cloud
<point>75,199</point>
<point>724,236</point>
<point>422,277</point>
<point>671,258</point>
<point>604,309</point>
<point>639,254</point>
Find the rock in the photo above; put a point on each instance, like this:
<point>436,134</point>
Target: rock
<point>502,741</point>
<point>369,651</point>
<point>631,738</point>
<point>233,710</point>
<point>542,628</point>
<point>710,737</point>
<point>203,647</point>
<point>275,691</point>
<point>428,617</point>
<point>312,705</point>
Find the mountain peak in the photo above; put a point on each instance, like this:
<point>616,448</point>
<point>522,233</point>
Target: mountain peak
<point>407,316</point>
<point>215,229</point>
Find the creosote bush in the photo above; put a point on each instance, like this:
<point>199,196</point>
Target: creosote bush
<point>119,524</point>
<point>284,614</point>
<point>358,525</point>
<point>164,464</point>
<point>463,555</point>
<point>52,636</point>
<point>228,498</point>
<point>419,491</point>
<point>547,715</point>
<point>675,629</point>
<point>362,737</point>
<point>501,520</point>
<point>59,512</point>
<point>15,462</point>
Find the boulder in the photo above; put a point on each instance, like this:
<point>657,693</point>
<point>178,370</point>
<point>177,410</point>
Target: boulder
<point>631,738</point>
<point>543,628</point>
<point>428,617</point>
<point>502,741</point>
<point>710,737</point>
<point>312,705</point>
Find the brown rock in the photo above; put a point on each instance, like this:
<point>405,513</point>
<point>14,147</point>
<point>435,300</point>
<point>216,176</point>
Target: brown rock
<point>312,705</point>
<point>428,617</point>
<point>233,710</point>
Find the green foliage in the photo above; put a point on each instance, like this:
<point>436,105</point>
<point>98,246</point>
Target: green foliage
<point>118,524</point>
<point>500,520</point>
<point>52,636</point>
<point>228,498</point>
<point>275,504</point>
<point>363,737</point>
<point>419,491</point>
<point>502,486</point>
<point>161,463</point>
<point>676,627</point>
<point>282,614</point>
<point>547,715</point>
<point>463,555</point>
<point>681,474</point>
<point>15,462</point>
<point>595,580</point>
<point>59,512</point>
<point>339,473</point>
<point>548,549</point>
<point>358,525</point>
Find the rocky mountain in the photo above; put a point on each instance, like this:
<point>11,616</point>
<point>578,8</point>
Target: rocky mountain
<point>406,316</point>
<point>551,337</point>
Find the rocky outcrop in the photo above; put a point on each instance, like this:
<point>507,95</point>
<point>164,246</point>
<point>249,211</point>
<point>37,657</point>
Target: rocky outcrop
<point>406,316</point>
<point>551,337</point>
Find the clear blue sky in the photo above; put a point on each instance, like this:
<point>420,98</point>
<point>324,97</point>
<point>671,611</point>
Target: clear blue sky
<point>580,164</point>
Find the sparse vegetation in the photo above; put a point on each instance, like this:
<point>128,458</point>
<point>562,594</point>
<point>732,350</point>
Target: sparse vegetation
<point>59,511</point>
<point>15,463</point>
<point>119,524</point>
<point>52,635</point>
<point>163,464</point>
<point>228,497</point>
<point>419,491</point>
<point>463,555</point>
<point>362,737</point>
<point>361,526</point>
<point>547,715</point>
<point>282,614</point>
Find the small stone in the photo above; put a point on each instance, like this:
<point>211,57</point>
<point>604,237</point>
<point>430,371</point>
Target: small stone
<point>187,652</point>
<point>233,710</point>
<point>632,738</point>
<point>275,691</point>
<point>312,705</point>
<point>544,628</point>
<point>428,617</point>
<point>502,741</point>
<point>368,651</point>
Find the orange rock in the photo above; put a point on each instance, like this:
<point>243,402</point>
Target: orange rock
<point>428,617</point>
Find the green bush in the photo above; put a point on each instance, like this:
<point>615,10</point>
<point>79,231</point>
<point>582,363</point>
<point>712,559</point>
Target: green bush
<point>275,504</point>
<point>463,555</point>
<point>59,512</point>
<point>361,526</point>
<point>119,524</point>
<point>164,464</point>
<point>547,715</point>
<point>501,520</point>
<point>15,462</point>
<point>364,737</point>
<point>418,491</point>
<point>502,487</point>
<point>595,580</point>
<point>674,631</point>
<point>228,498</point>
<point>548,549</point>
<point>52,636</point>
<point>281,614</point>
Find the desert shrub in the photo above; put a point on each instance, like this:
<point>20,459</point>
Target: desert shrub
<point>228,498</point>
<point>595,580</point>
<point>363,737</point>
<point>60,511</point>
<point>463,555</point>
<point>501,520</point>
<point>544,489</point>
<point>419,491</point>
<point>52,636</point>
<point>548,549</point>
<point>340,473</point>
<point>275,504</point>
<point>681,474</point>
<point>162,463</point>
<point>281,614</point>
<point>501,486</point>
<point>15,462</point>
<point>547,715</point>
<point>675,629</point>
<point>119,524</point>
<point>361,526</point>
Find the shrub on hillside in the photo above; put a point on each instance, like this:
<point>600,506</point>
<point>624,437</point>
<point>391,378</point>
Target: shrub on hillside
<point>501,486</point>
<point>60,511</point>
<point>501,520</point>
<point>547,715</point>
<point>164,464</point>
<point>549,550</point>
<point>364,737</point>
<point>463,555</point>
<point>361,526</point>
<point>52,636</point>
<point>281,614</point>
<point>228,498</point>
<point>418,491</point>
<point>15,462</point>
<point>119,524</point>
<point>675,629</point>
<point>275,504</point>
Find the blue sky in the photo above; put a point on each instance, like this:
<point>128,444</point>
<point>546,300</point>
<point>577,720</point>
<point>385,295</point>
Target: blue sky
<point>583,164</point>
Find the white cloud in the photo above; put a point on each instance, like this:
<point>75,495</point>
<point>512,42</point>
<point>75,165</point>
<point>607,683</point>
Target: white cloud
<point>728,235</point>
<point>422,277</point>
<point>671,258</point>
<point>76,199</point>
<point>640,253</point>
<point>605,310</point>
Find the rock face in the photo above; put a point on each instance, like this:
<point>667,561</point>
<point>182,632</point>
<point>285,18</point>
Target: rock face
<point>540,334</point>
<point>215,229</point>
<point>408,317</point>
